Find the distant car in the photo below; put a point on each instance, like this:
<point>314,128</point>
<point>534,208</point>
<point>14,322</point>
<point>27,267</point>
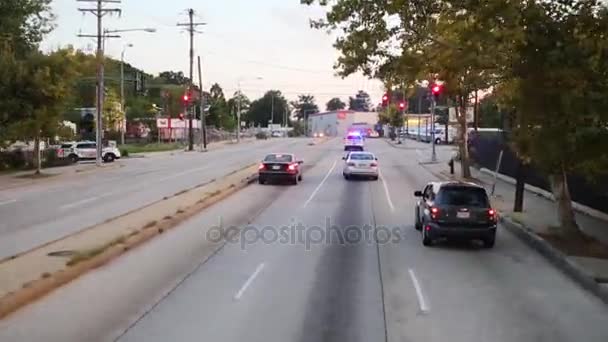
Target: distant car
<point>276,134</point>
<point>360,164</point>
<point>87,150</point>
<point>280,167</point>
<point>353,142</point>
<point>455,210</point>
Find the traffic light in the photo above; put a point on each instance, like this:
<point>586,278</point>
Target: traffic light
<point>186,98</point>
<point>181,116</point>
<point>402,106</point>
<point>385,100</point>
<point>436,89</point>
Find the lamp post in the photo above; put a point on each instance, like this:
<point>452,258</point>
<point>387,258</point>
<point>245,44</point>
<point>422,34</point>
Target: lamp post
<point>238,110</point>
<point>123,125</point>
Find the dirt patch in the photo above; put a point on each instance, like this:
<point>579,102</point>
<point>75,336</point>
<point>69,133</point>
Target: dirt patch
<point>577,246</point>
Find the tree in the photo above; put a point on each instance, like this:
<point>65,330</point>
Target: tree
<point>23,24</point>
<point>335,104</point>
<point>218,111</point>
<point>259,113</point>
<point>466,44</point>
<point>561,125</point>
<point>304,106</point>
<point>360,103</point>
<point>172,77</point>
<point>35,91</point>
<point>112,115</point>
<point>233,104</point>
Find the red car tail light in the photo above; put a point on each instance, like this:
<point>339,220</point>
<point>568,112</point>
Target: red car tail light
<point>292,167</point>
<point>434,213</point>
<point>351,164</point>
<point>374,164</point>
<point>492,214</point>
<point>261,167</point>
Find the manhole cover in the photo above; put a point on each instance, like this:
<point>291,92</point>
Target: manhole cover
<point>61,253</point>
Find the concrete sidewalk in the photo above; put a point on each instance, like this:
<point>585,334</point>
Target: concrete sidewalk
<point>539,215</point>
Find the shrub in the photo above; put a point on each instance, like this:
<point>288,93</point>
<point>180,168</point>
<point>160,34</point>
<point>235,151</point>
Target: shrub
<point>124,152</point>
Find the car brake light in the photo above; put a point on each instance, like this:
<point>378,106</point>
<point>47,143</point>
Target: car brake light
<point>261,167</point>
<point>292,167</point>
<point>374,164</point>
<point>492,214</point>
<point>434,213</point>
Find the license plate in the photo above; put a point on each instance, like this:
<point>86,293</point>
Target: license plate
<point>362,165</point>
<point>463,215</point>
<point>276,167</point>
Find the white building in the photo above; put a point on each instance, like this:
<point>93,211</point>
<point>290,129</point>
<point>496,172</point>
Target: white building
<point>336,123</point>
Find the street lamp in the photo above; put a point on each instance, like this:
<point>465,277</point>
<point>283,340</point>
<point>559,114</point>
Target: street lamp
<point>238,111</point>
<point>123,125</point>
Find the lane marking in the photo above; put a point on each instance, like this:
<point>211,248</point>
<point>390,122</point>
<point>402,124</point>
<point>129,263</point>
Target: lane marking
<point>79,203</point>
<point>239,294</point>
<point>8,202</point>
<point>386,192</point>
<point>321,184</point>
<point>424,307</point>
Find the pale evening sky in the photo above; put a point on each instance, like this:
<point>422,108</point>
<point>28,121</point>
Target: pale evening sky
<point>243,39</point>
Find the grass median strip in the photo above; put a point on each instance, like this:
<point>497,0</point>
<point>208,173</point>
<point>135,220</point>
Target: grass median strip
<point>98,245</point>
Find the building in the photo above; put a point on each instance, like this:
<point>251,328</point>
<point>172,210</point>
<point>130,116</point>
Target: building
<point>337,123</point>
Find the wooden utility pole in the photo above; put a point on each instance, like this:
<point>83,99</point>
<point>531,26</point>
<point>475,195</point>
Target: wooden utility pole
<point>100,12</point>
<point>191,28</point>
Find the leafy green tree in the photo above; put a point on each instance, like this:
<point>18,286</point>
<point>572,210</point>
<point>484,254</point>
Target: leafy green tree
<point>559,92</point>
<point>218,112</point>
<point>360,103</point>
<point>335,104</point>
<point>172,77</point>
<point>233,105</point>
<point>260,110</point>
<point>112,115</point>
<point>23,24</point>
<point>304,106</point>
<point>35,91</point>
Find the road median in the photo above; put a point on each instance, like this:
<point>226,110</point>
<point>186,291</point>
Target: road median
<point>31,275</point>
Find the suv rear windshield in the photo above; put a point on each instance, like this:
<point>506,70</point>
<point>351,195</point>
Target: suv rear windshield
<point>462,195</point>
<point>278,158</point>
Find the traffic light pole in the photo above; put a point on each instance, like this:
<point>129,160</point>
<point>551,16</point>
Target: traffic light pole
<point>434,153</point>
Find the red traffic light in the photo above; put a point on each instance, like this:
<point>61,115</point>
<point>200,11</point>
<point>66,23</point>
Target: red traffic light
<point>181,115</point>
<point>436,89</point>
<point>186,97</point>
<point>385,98</point>
<point>402,105</point>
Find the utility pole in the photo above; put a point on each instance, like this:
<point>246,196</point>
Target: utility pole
<point>99,11</point>
<point>202,104</point>
<point>191,28</point>
<point>272,110</point>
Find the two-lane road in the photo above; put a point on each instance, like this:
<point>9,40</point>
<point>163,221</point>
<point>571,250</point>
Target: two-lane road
<point>327,260</point>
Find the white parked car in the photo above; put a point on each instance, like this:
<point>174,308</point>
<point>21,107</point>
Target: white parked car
<point>360,164</point>
<point>87,150</point>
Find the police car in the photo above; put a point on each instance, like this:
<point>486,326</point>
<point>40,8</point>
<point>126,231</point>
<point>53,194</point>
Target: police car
<point>353,141</point>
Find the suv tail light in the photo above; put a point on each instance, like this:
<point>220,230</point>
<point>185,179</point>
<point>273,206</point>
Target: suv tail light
<point>492,214</point>
<point>434,213</point>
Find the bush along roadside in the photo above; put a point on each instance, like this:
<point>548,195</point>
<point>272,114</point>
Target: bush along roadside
<point>20,160</point>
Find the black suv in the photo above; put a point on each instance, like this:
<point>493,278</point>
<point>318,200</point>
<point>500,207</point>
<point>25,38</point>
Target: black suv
<point>455,210</point>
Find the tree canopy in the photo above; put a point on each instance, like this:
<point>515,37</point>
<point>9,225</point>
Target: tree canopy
<point>304,106</point>
<point>335,104</point>
<point>260,111</point>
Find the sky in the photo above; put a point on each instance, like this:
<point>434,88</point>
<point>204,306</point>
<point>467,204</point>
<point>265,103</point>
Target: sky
<point>242,40</point>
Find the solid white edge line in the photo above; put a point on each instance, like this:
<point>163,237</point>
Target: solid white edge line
<point>388,194</point>
<point>242,290</point>
<point>424,307</point>
<point>321,184</point>
<point>8,202</point>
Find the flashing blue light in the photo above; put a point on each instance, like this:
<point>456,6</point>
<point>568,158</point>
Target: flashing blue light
<point>354,134</point>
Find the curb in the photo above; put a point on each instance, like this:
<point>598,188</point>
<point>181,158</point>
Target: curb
<point>583,209</point>
<point>557,258</point>
<point>39,288</point>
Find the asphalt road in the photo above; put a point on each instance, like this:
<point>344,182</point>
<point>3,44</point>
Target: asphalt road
<point>34,215</point>
<point>287,279</point>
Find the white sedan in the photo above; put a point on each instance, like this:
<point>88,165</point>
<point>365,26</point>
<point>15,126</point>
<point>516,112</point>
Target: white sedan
<point>360,164</point>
